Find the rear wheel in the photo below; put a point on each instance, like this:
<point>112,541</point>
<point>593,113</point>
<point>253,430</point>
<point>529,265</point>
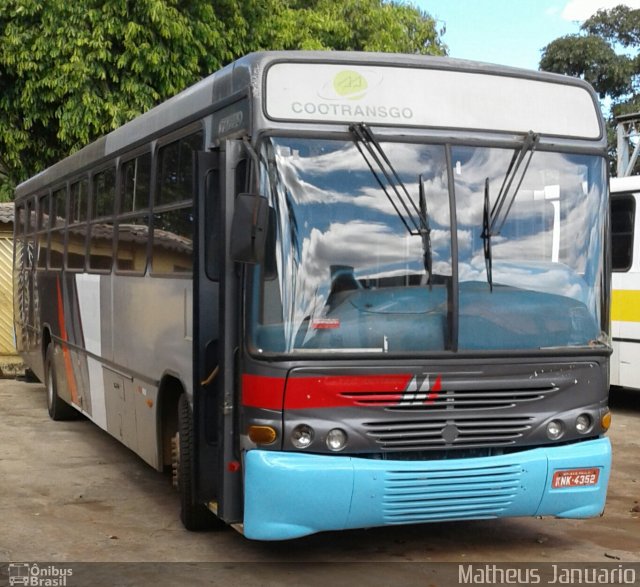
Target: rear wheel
<point>195,516</point>
<point>58,408</point>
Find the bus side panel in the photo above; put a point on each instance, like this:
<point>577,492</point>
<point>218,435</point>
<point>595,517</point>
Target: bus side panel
<point>625,329</point>
<point>152,327</point>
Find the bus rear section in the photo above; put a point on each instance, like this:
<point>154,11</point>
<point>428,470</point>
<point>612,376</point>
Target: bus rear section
<point>625,301</point>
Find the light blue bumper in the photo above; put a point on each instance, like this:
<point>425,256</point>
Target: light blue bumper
<point>288,495</point>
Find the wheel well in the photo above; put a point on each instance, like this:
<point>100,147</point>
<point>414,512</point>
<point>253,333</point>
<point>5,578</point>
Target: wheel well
<point>168,395</point>
<point>46,341</point>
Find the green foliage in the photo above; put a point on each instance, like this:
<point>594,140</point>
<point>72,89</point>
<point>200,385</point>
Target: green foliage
<point>606,54</point>
<point>71,71</point>
<point>593,59</point>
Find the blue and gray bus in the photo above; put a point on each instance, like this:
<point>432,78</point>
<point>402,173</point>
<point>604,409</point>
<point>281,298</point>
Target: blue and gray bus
<point>334,290</point>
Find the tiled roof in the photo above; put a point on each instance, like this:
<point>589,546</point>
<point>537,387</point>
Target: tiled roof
<point>6,213</point>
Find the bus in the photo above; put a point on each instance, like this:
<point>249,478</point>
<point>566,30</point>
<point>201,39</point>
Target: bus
<point>336,290</point>
<point>625,281</point>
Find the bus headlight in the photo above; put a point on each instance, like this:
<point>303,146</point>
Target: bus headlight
<point>336,439</point>
<point>554,429</point>
<point>302,436</point>
<point>583,423</point>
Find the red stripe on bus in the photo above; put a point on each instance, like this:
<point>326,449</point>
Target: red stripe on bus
<point>263,392</point>
<point>68,367</point>
<point>345,391</point>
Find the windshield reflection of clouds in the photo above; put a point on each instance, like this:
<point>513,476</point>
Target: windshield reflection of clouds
<point>570,183</point>
<point>332,213</point>
<point>335,213</point>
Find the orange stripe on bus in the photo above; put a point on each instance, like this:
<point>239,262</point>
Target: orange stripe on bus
<point>68,367</point>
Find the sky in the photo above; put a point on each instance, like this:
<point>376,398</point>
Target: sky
<point>509,32</point>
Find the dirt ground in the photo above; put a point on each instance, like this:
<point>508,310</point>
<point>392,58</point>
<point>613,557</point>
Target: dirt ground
<point>71,493</point>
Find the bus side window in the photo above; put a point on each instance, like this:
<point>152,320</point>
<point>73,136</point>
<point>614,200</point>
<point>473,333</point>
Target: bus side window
<point>77,231</point>
<point>20,248</point>
<point>42,229</point>
<point>623,210</point>
<point>57,223</point>
<point>101,226</point>
<point>133,217</point>
<point>172,252</point>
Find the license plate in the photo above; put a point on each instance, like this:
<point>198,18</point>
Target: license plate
<point>575,478</point>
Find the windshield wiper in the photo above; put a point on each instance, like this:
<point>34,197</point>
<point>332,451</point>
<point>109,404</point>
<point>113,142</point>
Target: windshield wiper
<point>493,221</point>
<point>414,218</point>
<point>486,236</point>
<point>425,231</point>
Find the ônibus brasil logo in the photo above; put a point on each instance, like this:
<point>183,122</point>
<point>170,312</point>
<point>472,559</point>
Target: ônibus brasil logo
<point>420,391</point>
<point>38,575</point>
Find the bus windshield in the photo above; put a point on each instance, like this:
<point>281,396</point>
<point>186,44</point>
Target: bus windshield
<point>346,273</point>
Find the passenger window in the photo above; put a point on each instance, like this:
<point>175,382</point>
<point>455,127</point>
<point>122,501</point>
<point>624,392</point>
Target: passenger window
<point>136,184</point>
<point>77,230</point>
<point>173,241</point>
<point>104,192</point>
<point>78,201</point>
<point>133,221</point>
<point>101,228</point>
<point>175,176</point>
<point>56,236</point>
<point>623,210</point>
<point>20,249</point>
<point>172,250</point>
<point>59,211</point>
<point>43,230</point>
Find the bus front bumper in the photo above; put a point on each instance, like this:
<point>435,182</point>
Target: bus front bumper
<point>288,495</point>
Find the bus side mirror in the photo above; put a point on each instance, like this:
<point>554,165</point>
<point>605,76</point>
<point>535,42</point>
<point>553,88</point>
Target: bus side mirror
<point>249,228</point>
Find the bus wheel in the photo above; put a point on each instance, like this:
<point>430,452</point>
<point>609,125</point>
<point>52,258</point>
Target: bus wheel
<point>195,516</point>
<point>58,408</point>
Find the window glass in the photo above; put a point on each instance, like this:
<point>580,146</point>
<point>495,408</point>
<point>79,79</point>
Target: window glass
<point>100,245</point>
<point>133,236</point>
<point>136,183</point>
<point>623,209</point>
<point>43,212</point>
<point>104,191</point>
<point>536,280</point>
<point>173,241</point>
<point>351,269</point>
<point>78,200</point>
<point>175,170</point>
<point>76,239</point>
<point>59,212</point>
<point>42,227</point>
<point>172,249</point>
<point>56,248</point>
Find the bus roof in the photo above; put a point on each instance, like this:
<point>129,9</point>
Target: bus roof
<point>246,75</point>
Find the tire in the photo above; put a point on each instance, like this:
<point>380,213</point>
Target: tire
<point>57,407</point>
<point>194,516</point>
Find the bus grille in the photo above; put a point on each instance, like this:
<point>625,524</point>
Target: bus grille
<point>451,433</point>
<point>446,494</point>
<point>455,397</point>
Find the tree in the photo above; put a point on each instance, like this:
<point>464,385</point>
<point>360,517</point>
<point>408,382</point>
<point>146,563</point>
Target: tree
<point>606,54</point>
<point>71,71</point>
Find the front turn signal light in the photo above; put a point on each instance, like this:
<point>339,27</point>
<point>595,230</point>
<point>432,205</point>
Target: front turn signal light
<point>262,434</point>
<point>605,420</point>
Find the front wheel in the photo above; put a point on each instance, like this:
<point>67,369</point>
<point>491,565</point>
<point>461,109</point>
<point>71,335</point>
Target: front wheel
<point>57,407</point>
<point>195,516</point>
